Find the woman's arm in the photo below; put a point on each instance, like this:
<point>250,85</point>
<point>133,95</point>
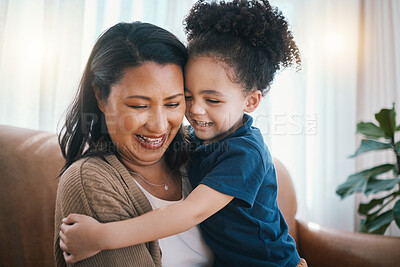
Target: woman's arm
<point>83,236</point>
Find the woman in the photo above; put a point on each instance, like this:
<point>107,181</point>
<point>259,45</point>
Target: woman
<point>124,146</point>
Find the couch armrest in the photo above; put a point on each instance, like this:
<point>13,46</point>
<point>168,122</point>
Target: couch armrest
<point>30,161</point>
<point>324,246</point>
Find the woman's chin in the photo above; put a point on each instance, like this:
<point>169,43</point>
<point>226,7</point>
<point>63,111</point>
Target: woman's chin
<point>143,156</point>
<point>150,159</point>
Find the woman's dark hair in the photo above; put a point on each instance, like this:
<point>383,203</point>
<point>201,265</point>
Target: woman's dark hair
<point>120,47</point>
<point>251,37</point>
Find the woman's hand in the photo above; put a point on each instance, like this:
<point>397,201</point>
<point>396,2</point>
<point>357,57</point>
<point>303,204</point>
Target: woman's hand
<point>80,237</point>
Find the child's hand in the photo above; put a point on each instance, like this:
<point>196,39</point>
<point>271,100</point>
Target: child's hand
<point>80,237</point>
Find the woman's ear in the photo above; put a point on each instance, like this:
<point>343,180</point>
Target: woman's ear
<point>97,93</point>
<point>252,101</point>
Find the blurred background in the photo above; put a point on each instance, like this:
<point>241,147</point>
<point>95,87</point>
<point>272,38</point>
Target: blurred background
<point>351,69</point>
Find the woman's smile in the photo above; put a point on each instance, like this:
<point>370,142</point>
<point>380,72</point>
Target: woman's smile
<point>152,142</point>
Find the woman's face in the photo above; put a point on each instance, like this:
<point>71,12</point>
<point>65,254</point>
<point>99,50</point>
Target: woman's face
<point>144,111</point>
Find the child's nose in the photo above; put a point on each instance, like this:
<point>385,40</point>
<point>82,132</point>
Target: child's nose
<point>196,108</point>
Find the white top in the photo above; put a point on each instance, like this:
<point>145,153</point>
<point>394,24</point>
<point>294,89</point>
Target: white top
<point>184,249</point>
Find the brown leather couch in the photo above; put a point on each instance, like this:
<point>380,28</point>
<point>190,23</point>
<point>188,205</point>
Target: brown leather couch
<point>30,161</point>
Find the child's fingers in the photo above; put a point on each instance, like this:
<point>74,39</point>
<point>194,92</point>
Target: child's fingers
<point>71,219</point>
<point>69,258</point>
<point>64,228</point>
<point>62,237</point>
<point>64,247</point>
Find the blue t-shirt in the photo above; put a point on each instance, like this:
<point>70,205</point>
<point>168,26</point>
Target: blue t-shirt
<point>250,230</point>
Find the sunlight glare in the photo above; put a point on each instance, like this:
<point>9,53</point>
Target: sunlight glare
<point>34,50</point>
<point>334,43</point>
<point>313,226</point>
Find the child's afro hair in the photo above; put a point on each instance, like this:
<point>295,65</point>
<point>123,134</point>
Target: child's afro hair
<point>250,36</point>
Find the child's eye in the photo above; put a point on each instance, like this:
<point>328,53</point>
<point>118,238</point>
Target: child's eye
<point>172,105</point>
<point>213,101</point>
<point>188,97</point>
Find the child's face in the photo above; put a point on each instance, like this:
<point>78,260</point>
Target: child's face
<point>214,104</point>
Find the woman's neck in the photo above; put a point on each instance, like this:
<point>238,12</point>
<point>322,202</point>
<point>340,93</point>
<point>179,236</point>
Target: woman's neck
<point>157,174</point>
<point>153,172</point>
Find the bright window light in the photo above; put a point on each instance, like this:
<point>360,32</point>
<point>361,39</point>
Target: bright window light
<point>334,43</point>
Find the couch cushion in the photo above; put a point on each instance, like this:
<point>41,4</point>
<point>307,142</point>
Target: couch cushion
<point>29,164</point>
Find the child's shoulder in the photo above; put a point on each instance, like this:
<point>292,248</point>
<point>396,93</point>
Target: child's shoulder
<point>251,143</point>
<point>250,135</point>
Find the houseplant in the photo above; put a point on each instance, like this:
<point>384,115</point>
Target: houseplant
<point>377,214</point>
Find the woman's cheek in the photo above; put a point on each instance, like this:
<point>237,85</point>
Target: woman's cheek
<point>129,123</point>
<point>177,115</point>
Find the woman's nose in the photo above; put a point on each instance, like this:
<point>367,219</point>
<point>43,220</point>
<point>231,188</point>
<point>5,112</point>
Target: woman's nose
<point>157,121</point>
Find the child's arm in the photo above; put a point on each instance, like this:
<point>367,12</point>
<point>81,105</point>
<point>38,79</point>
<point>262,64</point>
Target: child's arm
<point>83,237</point>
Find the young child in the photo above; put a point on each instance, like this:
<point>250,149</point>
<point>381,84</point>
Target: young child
<point>235,49</point>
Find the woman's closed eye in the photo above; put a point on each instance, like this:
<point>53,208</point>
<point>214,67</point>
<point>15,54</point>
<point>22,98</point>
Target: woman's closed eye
<point>139,106</point>
<point>172,105</point>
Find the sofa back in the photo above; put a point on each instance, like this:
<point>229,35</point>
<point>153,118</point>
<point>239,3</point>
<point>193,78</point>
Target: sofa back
<point>29,164</point>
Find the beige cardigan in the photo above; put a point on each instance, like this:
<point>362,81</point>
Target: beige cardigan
<point>103,189</point>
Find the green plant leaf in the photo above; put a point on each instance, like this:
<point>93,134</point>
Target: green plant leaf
<point>398,128</point>
<point>362,225</point>
<point>370,145</point>
<point>379,224</point>
<point>352,185</point>
<point>373,215</point>
<point>381,230</point>
<point>370,130</point>
<point>364,208</point>
<point>387,121</point>
<point>398,147</point>
<point>355,182</point>
<point>375,185</point>
<point>375,170</point>
<point>396,213</point>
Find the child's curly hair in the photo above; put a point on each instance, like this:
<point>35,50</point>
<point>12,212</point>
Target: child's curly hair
<point>249,36</point>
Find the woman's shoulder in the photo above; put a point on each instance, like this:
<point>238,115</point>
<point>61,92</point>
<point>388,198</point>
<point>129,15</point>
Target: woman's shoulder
<point>87,170</point>
<point>86,163</point>
<point>72,193</point>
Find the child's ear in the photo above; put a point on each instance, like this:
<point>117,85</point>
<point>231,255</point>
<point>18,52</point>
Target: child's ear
<point>252,101</point>
<point>97,93</point>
